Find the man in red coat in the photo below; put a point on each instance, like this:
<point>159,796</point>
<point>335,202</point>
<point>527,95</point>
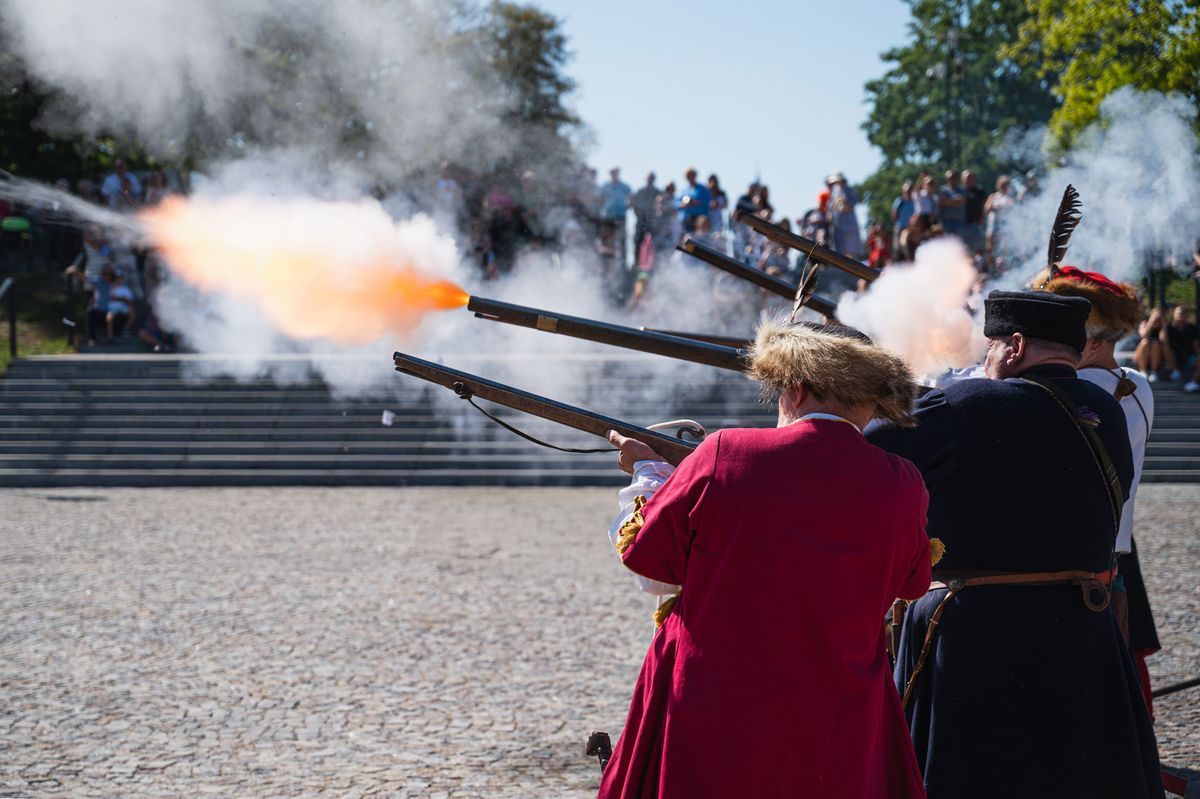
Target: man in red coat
<point>769,677</point>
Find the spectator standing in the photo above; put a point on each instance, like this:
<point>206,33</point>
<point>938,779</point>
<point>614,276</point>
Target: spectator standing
<point>846,237</point>
<point>1030,188</point>
<point>120,307</point>
<point>952,206</point>
<point>741,233</point>
<point>919,230</point>
<point>995,210</point>
<point>121,189</point>
<point>97,312</point>
<point>1182,340</point>
<point>717,205</point>
<point>879,246</point>
<point>903,208</point>
<point>614,205</point>
<point>1149,356</point>
<point>447,193</point>
<point>694,202</point>
<point>157,188</point>
<point>643,202</point>
<point>973,213</point>
<point>926,198</point>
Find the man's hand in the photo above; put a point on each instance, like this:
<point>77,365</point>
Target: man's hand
<point>632,451</point>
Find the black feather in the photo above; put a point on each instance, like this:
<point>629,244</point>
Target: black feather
<point>805,290</point>
<point>1070,211</point>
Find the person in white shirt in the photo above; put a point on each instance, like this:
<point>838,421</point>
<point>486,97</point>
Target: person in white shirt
<point>1116,312</point>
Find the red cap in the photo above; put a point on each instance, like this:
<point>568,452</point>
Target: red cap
<point>1074,273</point>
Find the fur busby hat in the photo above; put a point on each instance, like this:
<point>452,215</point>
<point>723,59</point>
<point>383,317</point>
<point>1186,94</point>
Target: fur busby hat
<point>1037,314</point>
<point>1116,309</point>
<point>839,365</point>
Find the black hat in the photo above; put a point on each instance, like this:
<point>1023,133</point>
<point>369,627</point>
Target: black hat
<point>1037,314</point>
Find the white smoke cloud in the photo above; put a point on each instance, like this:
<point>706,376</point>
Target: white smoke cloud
<point>919,311</point>
<point>1138,175</point>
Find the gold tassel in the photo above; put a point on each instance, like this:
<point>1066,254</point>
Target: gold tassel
<point>937,550</point>
<point>664,610</point>
<point>632,527</point>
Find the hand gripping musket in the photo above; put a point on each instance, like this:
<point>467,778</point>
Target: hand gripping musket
<point>686,349</point>
<point>469,386</point>
<point>817,252</point>
<point>756,276</point>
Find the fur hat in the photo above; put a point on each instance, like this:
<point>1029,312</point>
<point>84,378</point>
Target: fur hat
<point>1116,309</point>
<point>833,366</point>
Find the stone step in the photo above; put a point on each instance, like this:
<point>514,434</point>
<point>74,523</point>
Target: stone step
<point>175,448</point>
<point>531,457</point>
<point>19,478</point>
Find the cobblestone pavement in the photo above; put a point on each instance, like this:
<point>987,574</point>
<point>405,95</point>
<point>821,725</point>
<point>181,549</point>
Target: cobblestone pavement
<point>360,642</point>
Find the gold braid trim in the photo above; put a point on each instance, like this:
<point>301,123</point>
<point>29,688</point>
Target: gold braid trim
<point>632,527</point>
<point>937,551</point>
<point>625,536</point>
<point>664,610</point>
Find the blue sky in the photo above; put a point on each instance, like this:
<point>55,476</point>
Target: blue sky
<point>730,87</point>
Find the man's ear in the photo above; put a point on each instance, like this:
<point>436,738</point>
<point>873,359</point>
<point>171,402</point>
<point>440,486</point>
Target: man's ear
<point>1018,348</point>
<point>792,398</point>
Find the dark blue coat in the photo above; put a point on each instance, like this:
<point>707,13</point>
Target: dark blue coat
<point>1026,692</point>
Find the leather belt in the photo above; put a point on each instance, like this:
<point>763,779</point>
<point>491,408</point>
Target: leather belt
<point>1090,583</point>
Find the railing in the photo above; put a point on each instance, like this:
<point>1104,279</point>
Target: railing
<point>6,291</point>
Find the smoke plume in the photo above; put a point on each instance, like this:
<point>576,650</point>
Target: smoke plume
<point>1138,174</point>
<point>919,311</point>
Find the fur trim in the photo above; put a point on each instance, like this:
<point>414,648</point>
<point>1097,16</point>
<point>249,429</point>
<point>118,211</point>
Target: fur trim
<point>833,367</point>
<point>1112,316</point>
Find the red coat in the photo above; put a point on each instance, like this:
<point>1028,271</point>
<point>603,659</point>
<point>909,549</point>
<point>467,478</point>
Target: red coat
<point>770,678</point>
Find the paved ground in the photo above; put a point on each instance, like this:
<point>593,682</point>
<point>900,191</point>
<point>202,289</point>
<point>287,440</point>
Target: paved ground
<point>347,642</point>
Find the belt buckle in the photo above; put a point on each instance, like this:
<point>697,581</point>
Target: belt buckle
<point>1090,585</point>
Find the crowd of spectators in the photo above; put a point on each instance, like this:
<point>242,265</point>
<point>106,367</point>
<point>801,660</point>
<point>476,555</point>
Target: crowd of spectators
<point>116,277</point>
<point>629,233</point>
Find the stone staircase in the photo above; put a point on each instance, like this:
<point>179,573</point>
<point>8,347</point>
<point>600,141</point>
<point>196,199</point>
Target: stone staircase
<point>139,420</point>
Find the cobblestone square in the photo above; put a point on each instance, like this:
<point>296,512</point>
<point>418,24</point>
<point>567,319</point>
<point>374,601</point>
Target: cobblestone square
<point>365,642</point>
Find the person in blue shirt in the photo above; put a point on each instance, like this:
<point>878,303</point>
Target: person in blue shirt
<point>903,209</point>
<point>694,202</point>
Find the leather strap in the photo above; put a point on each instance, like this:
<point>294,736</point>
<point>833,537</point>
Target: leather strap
<point>953,582</point>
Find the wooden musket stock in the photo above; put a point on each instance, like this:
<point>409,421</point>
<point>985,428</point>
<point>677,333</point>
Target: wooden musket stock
<point>673,450</point>
<point>756,276</point>
<point>685,349</point>
<point>817,252</point>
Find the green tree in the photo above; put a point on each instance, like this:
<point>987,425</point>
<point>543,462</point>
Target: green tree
<point>951,96</point>
<point>1089,49</point>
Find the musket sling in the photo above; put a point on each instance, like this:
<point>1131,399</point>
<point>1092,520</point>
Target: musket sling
<point>1089,582</point>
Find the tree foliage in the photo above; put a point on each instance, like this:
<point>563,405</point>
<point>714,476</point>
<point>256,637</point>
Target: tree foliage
<point>942,106</point>
<point>1089,49</point>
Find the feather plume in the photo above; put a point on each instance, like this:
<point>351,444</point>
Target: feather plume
<point>1070,211</point>
<point>805,290</point>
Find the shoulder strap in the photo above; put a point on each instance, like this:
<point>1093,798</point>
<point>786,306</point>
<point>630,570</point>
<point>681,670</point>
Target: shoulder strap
<point>1086,428</point>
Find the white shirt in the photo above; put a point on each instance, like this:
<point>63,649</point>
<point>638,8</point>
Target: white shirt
<point>1139,417</point>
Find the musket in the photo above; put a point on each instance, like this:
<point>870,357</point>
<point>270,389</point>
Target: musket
<point>469,386</point>
<point>815,251</point>
<point>758,277</point>
<point>709,338</point>
<point>686,349</point>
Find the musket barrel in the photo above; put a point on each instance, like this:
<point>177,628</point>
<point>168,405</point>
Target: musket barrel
<point>756,276</point>
<point>464,384</point>
<point>818,252</point>
<point>710,338</point>
<point>628,337</point>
